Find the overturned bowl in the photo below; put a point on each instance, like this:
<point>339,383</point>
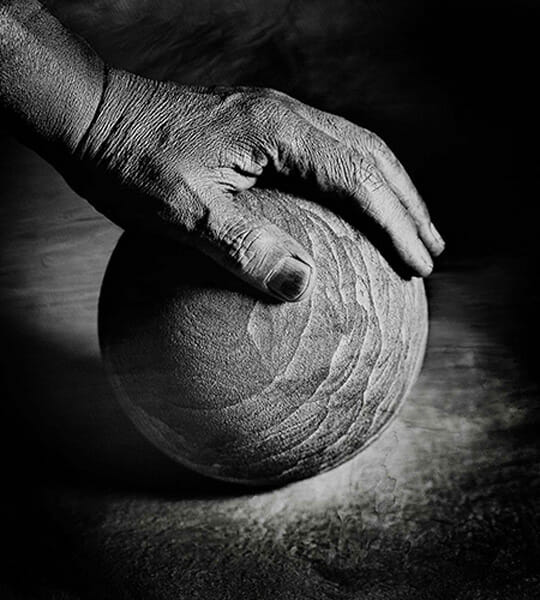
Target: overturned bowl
<point>242,388</point>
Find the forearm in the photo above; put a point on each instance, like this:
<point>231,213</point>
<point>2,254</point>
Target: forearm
<point>51,82</point>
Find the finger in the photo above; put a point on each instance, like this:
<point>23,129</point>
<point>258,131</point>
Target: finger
<point>257,251</point>
<point>394,172</point>
<point>396,221</point>
<point>338,169</point>
<point>364,141</point>
<point>234,180</point>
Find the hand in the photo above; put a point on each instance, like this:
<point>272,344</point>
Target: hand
<point>164,157</point>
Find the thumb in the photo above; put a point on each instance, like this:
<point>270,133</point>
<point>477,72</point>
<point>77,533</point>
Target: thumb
<point>257,251</point>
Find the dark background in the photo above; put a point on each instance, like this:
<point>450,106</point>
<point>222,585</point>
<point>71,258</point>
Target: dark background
<point>451,87</point>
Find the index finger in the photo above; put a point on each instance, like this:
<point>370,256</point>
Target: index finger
<point>311,153</point>
<point>364,141</point>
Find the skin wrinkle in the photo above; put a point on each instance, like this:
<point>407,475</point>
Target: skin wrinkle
<point>83,138</point>
<point>379,152</point>
<point>126,120</point>
<point>30,60</point>
<point>233,236</point>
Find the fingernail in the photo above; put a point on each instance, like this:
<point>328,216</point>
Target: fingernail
<point>437,235</point>
<point>290,278</point>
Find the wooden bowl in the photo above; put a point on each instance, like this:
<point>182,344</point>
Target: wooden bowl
<point>242,388</point>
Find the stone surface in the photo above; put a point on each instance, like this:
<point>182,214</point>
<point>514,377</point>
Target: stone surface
<point>245,389</point>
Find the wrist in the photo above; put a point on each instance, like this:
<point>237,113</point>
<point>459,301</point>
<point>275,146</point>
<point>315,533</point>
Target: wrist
<point>51,82</point>
<point>123,119</point>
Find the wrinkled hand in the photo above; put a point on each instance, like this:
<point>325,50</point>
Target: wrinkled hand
<point>167,158</point>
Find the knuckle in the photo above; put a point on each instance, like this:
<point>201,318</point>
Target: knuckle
<point>339,122</point>
<point>371,141</point>
<point>377,144</point>
<point>190,214</point>
<point>267,118</point>
<point>274,94</point>
<point>280,100</point>
<point>244,244</point>
<point>367,174</point>
<point>340,172</point>
<point>356,175</point>
<point>265,105</point>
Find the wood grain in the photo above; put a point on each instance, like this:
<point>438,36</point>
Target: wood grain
<point>252,391</point>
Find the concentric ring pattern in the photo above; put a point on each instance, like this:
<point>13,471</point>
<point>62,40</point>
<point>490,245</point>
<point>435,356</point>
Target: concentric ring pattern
<point>254,391</point>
